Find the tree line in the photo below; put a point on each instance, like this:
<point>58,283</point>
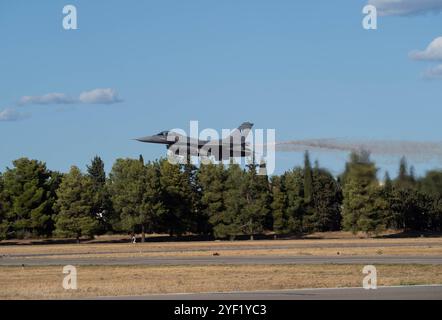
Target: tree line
<point>214,199</point>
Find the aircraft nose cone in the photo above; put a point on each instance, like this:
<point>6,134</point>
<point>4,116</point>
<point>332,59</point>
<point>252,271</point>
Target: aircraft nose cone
<point>146,139</point>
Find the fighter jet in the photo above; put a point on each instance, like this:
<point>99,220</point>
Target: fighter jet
<point>234,145</point>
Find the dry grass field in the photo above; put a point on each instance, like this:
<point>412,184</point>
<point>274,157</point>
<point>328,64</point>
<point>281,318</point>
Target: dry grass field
<point>329,247</point>
<point>45,282</point>
<point>95,281</point>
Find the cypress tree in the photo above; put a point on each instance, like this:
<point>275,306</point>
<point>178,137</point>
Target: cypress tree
<point>101,206</point>
<point>308,179</point>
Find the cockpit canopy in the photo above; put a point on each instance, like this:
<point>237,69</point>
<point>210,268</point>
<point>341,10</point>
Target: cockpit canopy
<point>163,133</point>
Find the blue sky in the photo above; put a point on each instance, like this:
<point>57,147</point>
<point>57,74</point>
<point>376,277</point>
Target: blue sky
<point>306,68</point>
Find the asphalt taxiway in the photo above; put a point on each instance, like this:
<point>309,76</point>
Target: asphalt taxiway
<point>431,292</point>
<point>221,260</point>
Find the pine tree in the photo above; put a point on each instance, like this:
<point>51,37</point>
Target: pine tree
<point>408,210</point>
<point>27,187</point>
<point>403,170</point>
<point>325,207</point>
<point>431,183</point>
<point>136,195</point>
<point>279,206</point>
<point>257,204</point>
<point>308,221</point>
<point>294,186</point>
<point>211,179</point>
<point>412,175</point>
<point>405,178</point>
<point>411,209</point>
<point>266,192</point>
<point>101,206</point>
<point>360,183</point>
<point>96,172</point>
<point>388,183</point>
<point>374,217</point>
<point>74,206</point>
<point>229,223</point>
<point>152,207</point>
<point>197,219</point>
<point>176,198</point>
<point>4,208</point>
<point>387,195</point>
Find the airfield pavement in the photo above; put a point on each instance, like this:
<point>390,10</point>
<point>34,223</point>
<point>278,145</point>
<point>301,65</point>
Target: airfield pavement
<point>424,292</point>
<point>216,260</point>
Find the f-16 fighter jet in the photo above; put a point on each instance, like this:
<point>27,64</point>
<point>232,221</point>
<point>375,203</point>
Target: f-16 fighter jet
<point>234,145</point>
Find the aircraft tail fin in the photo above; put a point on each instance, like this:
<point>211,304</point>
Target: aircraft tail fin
<point>245,126</point>
<point>241,132</point>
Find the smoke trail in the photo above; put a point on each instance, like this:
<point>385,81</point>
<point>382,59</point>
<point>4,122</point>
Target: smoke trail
<point>418,151</point>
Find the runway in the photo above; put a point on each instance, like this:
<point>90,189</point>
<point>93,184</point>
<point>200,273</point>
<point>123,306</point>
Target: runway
<point>220,260</point>
<point>381,293</point>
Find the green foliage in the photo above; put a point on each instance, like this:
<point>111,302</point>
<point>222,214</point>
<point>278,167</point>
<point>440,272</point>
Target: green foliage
<point>198,220</point>
<point>177,197</point>
<point>388,183</point>
<point>224,201</point>
<point>373,216</point>
<point>101,205</point>
<point>435,216</point>
<point>96,172</point>
<point>323,213</point>
<point>431,184</point>
<point>281,221</point>
<point>4,207</point>
<point>308,179</point>
<point>414,208</point>
<point>211,179</point>
<point>360,186</point>
<point>136,194</point>
<point>27,199</point>
<point>227,223</point>
<point>411,209</point>
<point>405,178</point>
<point>293,183</point>
<point>74,205</point>
<point>256,192</point>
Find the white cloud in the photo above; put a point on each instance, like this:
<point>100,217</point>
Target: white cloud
<point>96,96</point>
<point>100,96</point>
<point>11,115</point>
<point>50,98</point>
<point>433,51</point>
<point>406,7</point>
<point>434,72</point>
